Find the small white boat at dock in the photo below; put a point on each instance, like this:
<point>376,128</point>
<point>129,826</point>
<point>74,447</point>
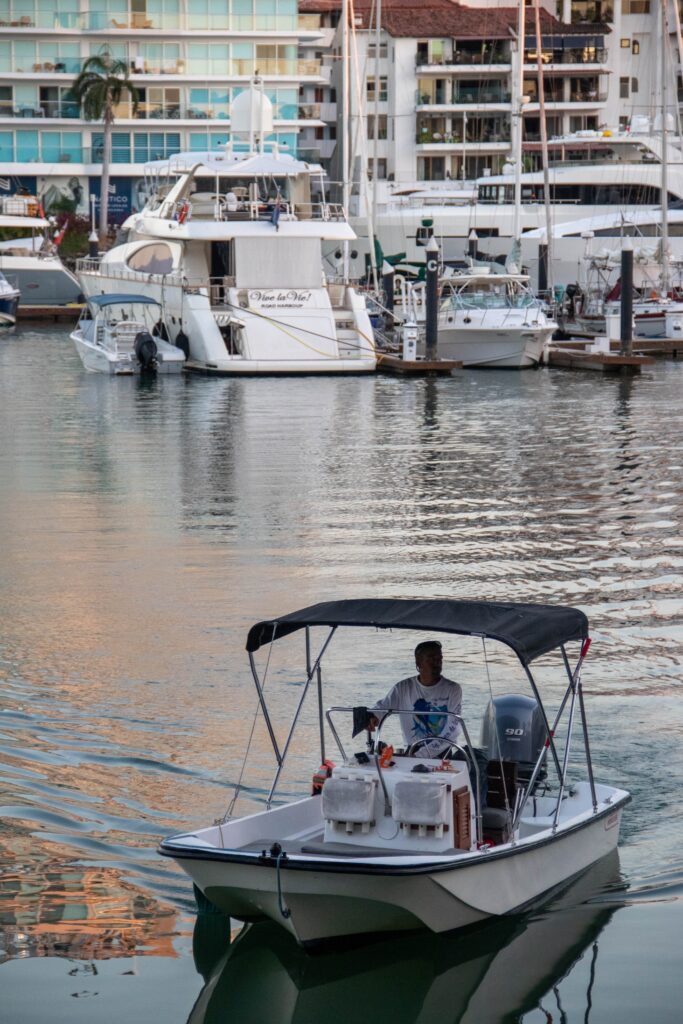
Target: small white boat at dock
<point>391,845</point>
<point>492,320</point>
<point>125,334</point>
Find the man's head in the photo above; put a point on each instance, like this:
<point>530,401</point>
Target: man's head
<point>429,660</point>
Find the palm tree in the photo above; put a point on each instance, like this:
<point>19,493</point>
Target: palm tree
<point>99,88</point>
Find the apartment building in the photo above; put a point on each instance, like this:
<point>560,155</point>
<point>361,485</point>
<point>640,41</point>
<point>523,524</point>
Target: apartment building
<point>188,60</point>
<point>439,94</point>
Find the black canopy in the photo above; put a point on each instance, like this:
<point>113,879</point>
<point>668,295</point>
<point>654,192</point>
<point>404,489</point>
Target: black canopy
<point>529,629</point>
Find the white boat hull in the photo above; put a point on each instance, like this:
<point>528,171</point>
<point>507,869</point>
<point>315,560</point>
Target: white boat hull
<point>99,360</point>
<point>513,348</point>
<point>334,896</point>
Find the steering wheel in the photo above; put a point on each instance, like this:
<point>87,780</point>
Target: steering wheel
<point>414,747</point>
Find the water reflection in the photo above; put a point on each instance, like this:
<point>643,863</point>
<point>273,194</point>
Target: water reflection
<point>483,976</point>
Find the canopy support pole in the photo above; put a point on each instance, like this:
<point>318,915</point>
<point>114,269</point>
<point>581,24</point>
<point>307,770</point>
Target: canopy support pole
<point>550,741</point>
<point>576,677</point>
<point>264,709</point>
<point>321,720</point>
<point>309,676</point>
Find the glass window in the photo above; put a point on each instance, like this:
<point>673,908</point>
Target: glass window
<point>25,56</point>
<point>152,259</point>
<point>6,147</point>
<point>27,146</point>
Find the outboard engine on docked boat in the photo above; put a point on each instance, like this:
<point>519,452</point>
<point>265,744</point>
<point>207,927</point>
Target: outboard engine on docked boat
<point>513,731</point>
<point>146,350</point>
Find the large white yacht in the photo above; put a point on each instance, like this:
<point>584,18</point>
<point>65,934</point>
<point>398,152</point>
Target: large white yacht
<point>593,176</point>
<point>231,246</point>
<point>30,259</point>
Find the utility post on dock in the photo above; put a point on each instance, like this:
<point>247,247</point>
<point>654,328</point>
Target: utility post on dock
<point>432,300</point>
<point>388,289</point>
<point>626,346</point>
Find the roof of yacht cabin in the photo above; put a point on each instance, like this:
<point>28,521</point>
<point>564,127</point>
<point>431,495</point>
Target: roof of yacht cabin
<point>229,164</point>
<point>529,629</point>
<point>447,18</point>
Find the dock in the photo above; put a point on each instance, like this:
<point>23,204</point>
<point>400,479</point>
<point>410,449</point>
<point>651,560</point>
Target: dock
<point>43,314</point>
<point>392,363</point>
<point>578,357</point>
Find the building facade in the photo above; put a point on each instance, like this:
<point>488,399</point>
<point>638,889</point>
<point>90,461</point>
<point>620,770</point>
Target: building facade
<point>439,88</point>
<point>188,59</point>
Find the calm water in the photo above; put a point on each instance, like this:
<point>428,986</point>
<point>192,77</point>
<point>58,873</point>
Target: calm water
<point>145,527</point>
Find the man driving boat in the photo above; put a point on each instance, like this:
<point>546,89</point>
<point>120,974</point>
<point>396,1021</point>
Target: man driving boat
<point>428,691</point>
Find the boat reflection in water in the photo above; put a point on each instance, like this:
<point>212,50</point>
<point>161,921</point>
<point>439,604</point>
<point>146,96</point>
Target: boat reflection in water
<point>482,976</point>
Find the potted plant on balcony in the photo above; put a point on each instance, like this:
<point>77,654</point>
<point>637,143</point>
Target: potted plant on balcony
<point>99,88</point>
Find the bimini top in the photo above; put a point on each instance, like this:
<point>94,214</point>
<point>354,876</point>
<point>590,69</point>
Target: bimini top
<point>529,629</point>
<point>121,300</point>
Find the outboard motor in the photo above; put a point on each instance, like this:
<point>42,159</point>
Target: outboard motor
<point>513,730</point>
<point>146,350</point>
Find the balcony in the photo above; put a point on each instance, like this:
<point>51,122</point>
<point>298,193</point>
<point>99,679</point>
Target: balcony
<point>103,21</point>
<point>462,59</point>
<point>562,57</point>
<point>309,112</point>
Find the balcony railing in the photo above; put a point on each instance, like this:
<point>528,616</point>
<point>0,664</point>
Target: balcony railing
<point>154,111</point>
<point>462,58</point>
<point>309,112</point>
<point>455,138</point>
<point>101,21</point>
<point>578,55</point>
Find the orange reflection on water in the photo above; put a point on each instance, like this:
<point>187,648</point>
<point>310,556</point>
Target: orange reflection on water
<point>81,912</point>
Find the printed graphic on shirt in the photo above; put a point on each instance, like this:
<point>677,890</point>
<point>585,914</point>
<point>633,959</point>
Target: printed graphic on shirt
<point>431,724</point>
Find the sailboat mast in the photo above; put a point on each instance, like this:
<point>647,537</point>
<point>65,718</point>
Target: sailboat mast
<point>665,154</point>
<point>345,141</point>
<point>518,107</point>
<point>544,149</point>
<point>375,160</point>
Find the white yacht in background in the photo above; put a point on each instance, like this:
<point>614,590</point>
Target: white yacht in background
<point>492,320</point>
<point>232,248</point>
<point>125,334</point>
<point>615,175</point>
<point>30,258</point>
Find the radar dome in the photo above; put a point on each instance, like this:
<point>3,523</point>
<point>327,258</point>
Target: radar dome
<point>250,112</point>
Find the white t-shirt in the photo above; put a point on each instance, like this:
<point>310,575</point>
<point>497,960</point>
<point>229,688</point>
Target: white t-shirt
<point>411,695</point>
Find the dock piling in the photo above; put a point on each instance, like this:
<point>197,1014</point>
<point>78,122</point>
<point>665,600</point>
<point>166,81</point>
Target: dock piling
<point>626,348</point>
<point>432,300</point>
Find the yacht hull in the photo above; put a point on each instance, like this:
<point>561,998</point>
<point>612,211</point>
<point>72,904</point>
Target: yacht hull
<point>317,899</point>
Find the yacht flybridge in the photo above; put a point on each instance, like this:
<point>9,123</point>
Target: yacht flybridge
<point>395,841</point>
<point>231,247</point>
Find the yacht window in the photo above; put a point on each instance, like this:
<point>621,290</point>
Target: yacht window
<point>152,259</point>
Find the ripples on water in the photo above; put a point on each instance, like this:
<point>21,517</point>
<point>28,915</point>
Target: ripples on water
<point>145,527</point>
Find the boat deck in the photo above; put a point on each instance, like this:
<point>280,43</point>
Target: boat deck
<point>315,845</point>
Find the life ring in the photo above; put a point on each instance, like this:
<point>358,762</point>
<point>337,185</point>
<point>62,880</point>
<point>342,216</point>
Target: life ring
<point>183,213</point>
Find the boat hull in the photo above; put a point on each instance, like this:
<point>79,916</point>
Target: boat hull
<point>8,309</point>
<point>318,901</point>
<point>513,349</point>
<point>97,360</point>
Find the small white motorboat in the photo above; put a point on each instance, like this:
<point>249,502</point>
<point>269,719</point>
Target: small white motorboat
<point>492,320</point>
<point>401,842</point>
<point>9,301</point>
<point>125,334</point>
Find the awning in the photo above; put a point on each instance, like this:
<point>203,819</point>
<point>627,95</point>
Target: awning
<point>529,629</point>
